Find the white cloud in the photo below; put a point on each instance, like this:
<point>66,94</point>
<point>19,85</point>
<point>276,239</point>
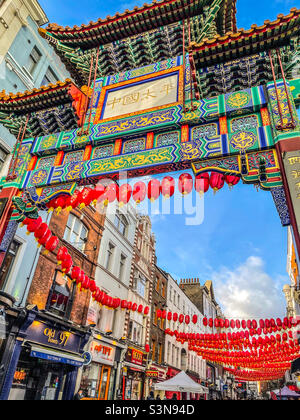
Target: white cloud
<point>248,291</point>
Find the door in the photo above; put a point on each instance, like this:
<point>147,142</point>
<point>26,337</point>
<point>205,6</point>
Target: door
<point>104,383</point>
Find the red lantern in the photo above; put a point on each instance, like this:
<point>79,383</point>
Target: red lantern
<point>181,318</point>
<point>232,180</point>
<point>163,314</point>
<point>61,254</point>
<point>59,203</point>
<point>205,322</point>
<point>153,190</point>
<point>124,194</point>
<point>140,309</point>
<point>111,193</point>
<point>45,238</point>
<point>167,187</point>
<point>232,324</point>
<point>187,319</point>
<point>139,192</point>
<point>147,348</point>
<point>129,306</point>
<point>195,319</point>
<point>67,264</point>
<point>51,244</point>
<point>73,201</point>
<point>116,303</point>
<point>93,286</point>
<point>40,232</point>
<point>85,197</point>
<point>185,184</point>
<point>216,181</point>
<point>75,273</point>
<point>124,304</point>
<point>175,316</point>
<point>202,183</point>
<point>33,225</point>
<point>134,307</point>
<point>169,316</point>
<point>86,283</point>
<point>146,310</point>
<point>97,193</point>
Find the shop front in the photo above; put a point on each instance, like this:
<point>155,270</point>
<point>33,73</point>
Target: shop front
<point>98,378</point>
<point>134,374</point>
<point>45,360</point>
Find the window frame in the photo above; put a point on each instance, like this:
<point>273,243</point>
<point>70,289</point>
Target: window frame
<point>70,229</point>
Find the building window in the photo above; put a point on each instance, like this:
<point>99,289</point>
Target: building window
<point>160,347</point>
<point>153,349</point>
<point>109,256</point>
<point>139,286</point>
<point>122,266</point>
<point>163,289</point>
<point>3,156</point>
<point>8,263</point>
<point>155,315</point>
<point>61,295</point>
<point>50,77</point>
<point>121,223</point>
<point>157,284</point>
<point>34,59</point>
<point>76,233</point>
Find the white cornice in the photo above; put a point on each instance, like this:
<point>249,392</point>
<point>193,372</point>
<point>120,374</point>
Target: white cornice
<point>36,11</point>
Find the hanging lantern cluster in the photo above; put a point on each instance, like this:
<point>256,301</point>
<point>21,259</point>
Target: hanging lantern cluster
<point>269,355</point>
<point>140,190</point>
<point>42,233</point>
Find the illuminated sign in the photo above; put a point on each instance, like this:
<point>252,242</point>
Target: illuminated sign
<point>44,334</point>
<point>152,373</point>
<point>102,353</point>
<point>136,356</point>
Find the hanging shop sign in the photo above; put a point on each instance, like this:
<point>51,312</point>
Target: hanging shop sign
<point>103,353</point>
<point>136,357</point>
<point>152,373</point>
<point>41,333</point>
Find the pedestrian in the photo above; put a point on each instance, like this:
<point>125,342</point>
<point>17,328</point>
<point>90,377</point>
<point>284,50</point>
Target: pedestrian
<point>79,395</point>
<point>174,397</point>
<point>158,397</point>
<point>151,396</point>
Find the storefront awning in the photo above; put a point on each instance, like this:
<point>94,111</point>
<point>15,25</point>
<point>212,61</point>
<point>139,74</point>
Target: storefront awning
<point>56,356</point>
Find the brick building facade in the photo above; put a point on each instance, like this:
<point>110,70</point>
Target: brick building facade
<point>80,232</point>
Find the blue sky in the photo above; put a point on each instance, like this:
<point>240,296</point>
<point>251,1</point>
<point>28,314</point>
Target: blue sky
<point>240,245</point>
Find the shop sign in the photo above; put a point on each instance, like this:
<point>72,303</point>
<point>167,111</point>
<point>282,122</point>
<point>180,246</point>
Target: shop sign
<point>103,353</point>
<point>136,357</point>
<point>43,334</point>
<point>152,373</point>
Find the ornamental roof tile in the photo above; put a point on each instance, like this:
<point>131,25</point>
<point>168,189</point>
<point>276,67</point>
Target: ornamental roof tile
<point>244,33</point>
<point>140,19</point>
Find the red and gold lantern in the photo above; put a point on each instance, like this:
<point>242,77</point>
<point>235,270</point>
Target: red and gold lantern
<point>154,190</point>
<point>167,187</point>
<point>185,184</point>
<point>139,192</point>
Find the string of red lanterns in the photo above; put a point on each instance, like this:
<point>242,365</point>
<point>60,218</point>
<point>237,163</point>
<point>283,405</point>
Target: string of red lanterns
<point>45,238</point>
<point>141,190</point>
<point>262,326</point>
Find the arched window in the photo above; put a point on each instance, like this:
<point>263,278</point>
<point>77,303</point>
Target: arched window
<point>76,233</point>
<point>121,223</point>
